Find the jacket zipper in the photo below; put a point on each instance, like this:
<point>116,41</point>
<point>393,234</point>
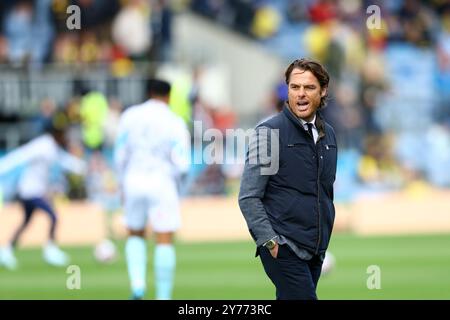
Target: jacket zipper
<point>318,200</point>
<point>318,190</point>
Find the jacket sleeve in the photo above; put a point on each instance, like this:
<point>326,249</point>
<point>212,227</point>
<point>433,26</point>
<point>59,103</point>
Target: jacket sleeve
<point>253,186</point>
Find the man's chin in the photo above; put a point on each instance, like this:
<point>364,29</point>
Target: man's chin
<point>304,114</point>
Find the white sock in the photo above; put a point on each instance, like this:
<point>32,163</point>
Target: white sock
<point>164,264</point>
<point>136,255</point>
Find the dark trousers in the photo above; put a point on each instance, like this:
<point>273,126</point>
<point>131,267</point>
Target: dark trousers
<point>29,206</point>
<point>294,279</point>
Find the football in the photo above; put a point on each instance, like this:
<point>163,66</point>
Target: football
<point>329,263</point>
<point>105,251</point>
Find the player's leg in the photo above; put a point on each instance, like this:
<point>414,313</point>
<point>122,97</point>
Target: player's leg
<point>52,254</point>
<point>28,209</point>
<point>47,208</point>
<point>7,255</point>
<point>165,219</point>
<point>164,265</point>
<point>136,211</point>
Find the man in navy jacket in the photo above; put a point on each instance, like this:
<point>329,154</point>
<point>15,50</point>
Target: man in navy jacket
<point>286,193</point>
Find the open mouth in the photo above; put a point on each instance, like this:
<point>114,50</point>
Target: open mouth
<point>303,105</point>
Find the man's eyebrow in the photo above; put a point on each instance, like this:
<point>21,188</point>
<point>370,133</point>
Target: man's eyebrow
<point>302,84</point>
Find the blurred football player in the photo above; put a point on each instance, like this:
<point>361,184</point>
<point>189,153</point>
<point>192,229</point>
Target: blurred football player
<point>151,154</point>
<point>35,160</point>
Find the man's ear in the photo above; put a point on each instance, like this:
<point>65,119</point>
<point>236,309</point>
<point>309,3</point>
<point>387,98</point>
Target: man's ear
<point>323,92</point>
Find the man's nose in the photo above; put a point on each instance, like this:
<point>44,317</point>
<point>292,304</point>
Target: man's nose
<point>301,92</point>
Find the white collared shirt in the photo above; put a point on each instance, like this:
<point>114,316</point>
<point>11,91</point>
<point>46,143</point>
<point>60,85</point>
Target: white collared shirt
<point>314,129</point>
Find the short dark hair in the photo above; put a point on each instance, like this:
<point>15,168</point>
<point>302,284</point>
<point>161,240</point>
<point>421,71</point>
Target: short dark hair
<point>316,69</point>
<point>157,87</point>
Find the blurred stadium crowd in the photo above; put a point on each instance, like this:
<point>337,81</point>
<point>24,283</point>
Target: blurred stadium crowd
<point>36,31</point>
<point>390,89</point>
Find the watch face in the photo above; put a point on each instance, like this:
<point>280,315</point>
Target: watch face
<point>270,245</point>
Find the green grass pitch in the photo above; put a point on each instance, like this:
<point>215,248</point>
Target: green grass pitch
<point>412,267</point>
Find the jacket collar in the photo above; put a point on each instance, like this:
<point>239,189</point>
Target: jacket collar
<point>319,123</point>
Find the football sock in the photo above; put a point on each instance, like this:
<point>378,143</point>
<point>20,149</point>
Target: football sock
<point>136,255</point>
<point>164,264</point>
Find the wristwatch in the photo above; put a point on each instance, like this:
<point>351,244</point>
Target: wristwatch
<point>270,244</point>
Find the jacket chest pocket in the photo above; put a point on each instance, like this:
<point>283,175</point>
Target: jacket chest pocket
<point>329,162</point>
<point>299,162</point>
